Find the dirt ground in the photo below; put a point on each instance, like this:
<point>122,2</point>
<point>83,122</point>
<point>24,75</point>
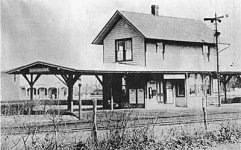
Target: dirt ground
<point>83,135</point>
<point>226,146</point>
<point>177,111</point>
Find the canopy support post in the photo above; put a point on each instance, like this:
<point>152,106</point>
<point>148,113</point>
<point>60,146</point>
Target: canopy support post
<point>70,80</point>
<point>225,79</point>
<point>31,82</point>
<point>98,78</point>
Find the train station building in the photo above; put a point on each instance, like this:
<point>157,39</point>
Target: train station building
<point>149,61</point>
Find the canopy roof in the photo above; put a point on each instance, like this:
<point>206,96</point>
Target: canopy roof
<point>41,68</point>
<point>47,68</point>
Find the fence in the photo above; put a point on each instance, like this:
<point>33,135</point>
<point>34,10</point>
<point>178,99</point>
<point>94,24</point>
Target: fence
<point>36,107</point>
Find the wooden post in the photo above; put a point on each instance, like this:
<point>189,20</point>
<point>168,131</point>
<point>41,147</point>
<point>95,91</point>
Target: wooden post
<point>31,92</point>
<point>70,80</point>
<point>80,103</point>
<point>186,89</point>
<point>204,103</point>
<point>5,110</point>
<point>31,83</point>
<point>225,79</point>
<point>225,91</point>
<point>58,108</point>
<point>31,98</point>
<point>31,87</point>
<point>94,130</point>
<point>204,114</point>
<point>18,109</point>
<point>111,101</point>
<point>70,98</point>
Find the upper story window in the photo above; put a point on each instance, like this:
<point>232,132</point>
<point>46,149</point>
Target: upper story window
<point>206,52</point>
<point>160,48</point>
<point>123,50</point>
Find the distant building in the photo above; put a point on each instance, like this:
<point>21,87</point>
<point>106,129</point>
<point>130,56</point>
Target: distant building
<point>14,87</point>
<point>149,61</point>
<point>10,87</point>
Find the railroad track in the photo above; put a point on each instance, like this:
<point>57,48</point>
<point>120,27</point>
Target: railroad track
<point>76,126</point>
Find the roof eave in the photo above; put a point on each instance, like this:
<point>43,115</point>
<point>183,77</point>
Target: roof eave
<point>178,41</point>
<point>97,39</point>
<point>18,69</point>
<point>110,24</point>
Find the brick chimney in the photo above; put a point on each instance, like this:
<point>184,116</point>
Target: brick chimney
<point>154,10</point>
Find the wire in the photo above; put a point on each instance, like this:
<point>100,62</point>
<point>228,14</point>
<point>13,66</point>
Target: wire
<point>225,47</point>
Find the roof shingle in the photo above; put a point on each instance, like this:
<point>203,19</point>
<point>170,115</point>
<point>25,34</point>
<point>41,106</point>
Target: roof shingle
<point>162,28</point>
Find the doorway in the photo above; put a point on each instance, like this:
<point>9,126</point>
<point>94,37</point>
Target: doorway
<point>170,91</point>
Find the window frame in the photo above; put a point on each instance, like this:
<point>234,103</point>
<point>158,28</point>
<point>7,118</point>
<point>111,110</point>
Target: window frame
<point>209,86</point>
<point>124,50</point>
<point>195,84</point>
<point>206,53</point>
<point>178,86</point>
<point>160,48</point>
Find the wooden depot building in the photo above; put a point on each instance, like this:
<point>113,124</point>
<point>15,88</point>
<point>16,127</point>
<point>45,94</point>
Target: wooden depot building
<point>149,61</point>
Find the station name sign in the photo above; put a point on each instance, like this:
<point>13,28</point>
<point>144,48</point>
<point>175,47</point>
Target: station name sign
<point>38,70</point>
<point>174,76</point>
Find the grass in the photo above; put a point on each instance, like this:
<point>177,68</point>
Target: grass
<point>143,113</point>
<point>119,136</point>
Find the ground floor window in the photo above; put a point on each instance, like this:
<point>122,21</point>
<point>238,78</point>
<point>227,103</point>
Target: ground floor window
<point>207,84</point>
<point>215,85</point>
<point>180,88</point>
<point>123,84</point>
<point>197,83</point>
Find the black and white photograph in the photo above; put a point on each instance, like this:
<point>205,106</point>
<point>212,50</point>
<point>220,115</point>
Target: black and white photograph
<point>120,75</point>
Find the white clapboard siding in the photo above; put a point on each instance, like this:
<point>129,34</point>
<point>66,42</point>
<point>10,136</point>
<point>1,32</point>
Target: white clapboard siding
<point>123,30</point>
<point>180,58</point>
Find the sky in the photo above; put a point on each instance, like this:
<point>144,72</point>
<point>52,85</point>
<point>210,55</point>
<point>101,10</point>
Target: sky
<point>61,31</point>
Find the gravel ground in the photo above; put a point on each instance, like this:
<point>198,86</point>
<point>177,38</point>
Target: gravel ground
<point>7,121</point>
<point>226,146</point>
<point>157,131</point>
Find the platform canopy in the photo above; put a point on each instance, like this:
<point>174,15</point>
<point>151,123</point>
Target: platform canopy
<point>33,71</point>
<point>41,68</point>
<point>70,75</point>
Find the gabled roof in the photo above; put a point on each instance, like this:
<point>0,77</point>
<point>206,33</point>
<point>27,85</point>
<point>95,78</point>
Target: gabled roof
<point>51,69</point>
<point>161,28</point>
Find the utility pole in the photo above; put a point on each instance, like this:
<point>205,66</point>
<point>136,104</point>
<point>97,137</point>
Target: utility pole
<point>215,20</point>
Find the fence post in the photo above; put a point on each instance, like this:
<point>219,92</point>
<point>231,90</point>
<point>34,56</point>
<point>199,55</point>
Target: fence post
<point>58,108</point>
<point>18,109</point>
<point>5,110</point>
<point>80,103</point>
<point>29,109</point>
<point>204,103</point>
<point>204,113</point>
<point>94,130</point>
<point>9,110</point>
<point>111,101</point>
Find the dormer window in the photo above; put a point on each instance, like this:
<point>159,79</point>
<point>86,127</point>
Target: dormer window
<point>123,50</point>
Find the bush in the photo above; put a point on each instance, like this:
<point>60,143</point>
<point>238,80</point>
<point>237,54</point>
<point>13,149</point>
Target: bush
<point>23,108</point>
<point>123,132</point>
<point>231,100</point>
<point>138,138</point>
